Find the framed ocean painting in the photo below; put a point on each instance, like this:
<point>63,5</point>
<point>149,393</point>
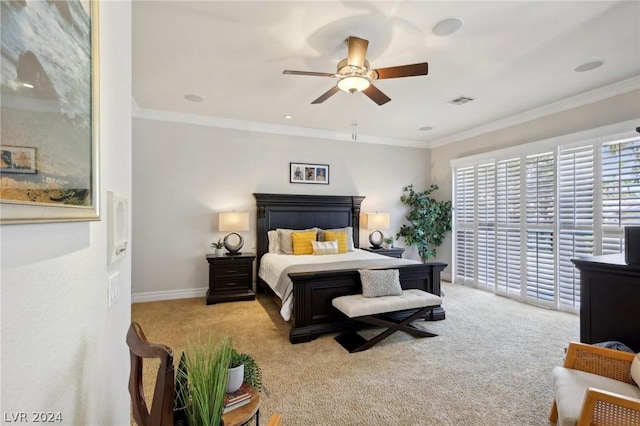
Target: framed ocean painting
<point>49,165</point>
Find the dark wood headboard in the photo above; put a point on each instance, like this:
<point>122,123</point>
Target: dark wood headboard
<point>305,211</point>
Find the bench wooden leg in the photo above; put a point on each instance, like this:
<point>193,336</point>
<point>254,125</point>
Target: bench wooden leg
<point>354,342</point>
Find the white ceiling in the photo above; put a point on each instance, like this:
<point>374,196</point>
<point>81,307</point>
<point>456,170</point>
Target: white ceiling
<point>514,58</point>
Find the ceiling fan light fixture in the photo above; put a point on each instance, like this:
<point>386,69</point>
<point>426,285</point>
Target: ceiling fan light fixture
<point>353,84</point>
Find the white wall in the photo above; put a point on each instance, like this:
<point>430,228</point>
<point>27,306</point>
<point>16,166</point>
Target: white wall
<point>184,175</point>
<point>62,349</point>
<point>609,111</point>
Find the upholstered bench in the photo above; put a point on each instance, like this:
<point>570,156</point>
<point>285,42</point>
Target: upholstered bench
<point>375,310</point>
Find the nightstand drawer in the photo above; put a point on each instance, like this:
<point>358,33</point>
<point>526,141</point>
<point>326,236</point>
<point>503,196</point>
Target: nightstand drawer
<point>233,269</point>
<point>231,283</point>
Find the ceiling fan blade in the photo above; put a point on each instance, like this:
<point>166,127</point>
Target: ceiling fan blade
<point>326,95</point>
<point>403,71</point>
<point>376,95</point>
<point>357,51</point>
<point>312,73</point>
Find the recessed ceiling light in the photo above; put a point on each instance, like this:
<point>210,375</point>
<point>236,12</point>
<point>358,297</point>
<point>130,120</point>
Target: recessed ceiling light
<point>589,66</point>
<point>288,117</point>
<point>447,27</point>
<point>426,128</point>
<point>194,98</point>
<point>28,85</point>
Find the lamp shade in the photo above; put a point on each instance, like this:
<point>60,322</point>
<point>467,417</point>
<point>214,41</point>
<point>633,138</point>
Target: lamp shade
<point>233,221</point>
<point>378,221</point>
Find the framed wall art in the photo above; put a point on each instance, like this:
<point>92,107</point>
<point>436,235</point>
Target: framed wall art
<point>49,166</point>
<point>309,173</point>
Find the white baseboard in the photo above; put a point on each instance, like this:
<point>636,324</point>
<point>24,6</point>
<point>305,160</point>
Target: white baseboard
<point>154,296</point>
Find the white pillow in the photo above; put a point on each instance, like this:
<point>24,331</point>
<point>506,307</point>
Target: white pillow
<point>635,369</point>
<point>325,247</point>
<point>274,247</point>
<point>348,230</point>
<point>380,282</point>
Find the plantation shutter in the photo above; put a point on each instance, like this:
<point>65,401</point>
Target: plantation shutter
<point>486,241</point>
<point>575,217</point>
<point>620,191</point>
<point>540,196</point>
<point>464,216</point>
<point>508,239</point>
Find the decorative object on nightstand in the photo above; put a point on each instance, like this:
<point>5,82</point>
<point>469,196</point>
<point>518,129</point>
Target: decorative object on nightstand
<point>389,242</point>
<point>376,222</point>
<point>219,247</point>
<point>390,252</point>
<point>235,222</point>
<point>230,278</point>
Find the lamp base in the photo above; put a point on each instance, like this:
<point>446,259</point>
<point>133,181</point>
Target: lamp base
<point>376,238</point>
<point>233,249</point>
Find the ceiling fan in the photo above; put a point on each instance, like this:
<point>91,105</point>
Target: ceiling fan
<point>355,75</point>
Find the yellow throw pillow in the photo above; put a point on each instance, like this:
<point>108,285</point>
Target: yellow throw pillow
<point>340,237</point>
<point>302,242</point>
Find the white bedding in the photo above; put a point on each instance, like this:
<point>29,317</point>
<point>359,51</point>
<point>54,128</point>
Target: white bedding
<point>272,265</point>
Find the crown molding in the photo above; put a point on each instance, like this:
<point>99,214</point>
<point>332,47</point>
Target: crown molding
<point>582,99</point>
<point>255,126</point>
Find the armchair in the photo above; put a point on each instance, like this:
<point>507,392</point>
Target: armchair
<point>596,386</point>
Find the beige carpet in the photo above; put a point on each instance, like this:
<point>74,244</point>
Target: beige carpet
<point>489,365</point>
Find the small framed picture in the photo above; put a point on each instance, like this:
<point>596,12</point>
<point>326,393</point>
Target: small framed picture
<point>309,173</point>
<point>18,159</point>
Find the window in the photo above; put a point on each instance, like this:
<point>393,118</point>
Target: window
<point>520,217</point>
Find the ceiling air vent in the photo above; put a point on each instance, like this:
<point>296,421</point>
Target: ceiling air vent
<point>460,100</point>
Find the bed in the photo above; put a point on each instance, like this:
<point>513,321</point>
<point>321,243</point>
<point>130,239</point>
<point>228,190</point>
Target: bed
<point>312,313</point>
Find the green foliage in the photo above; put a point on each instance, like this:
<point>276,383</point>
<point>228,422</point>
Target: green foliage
<point>218,245</point>
<point>182,391</point>
<point>205,372</point>
<point>429,221</point>
<point>252,371</point>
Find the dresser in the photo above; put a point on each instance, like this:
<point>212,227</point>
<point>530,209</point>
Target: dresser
<point>609,300</point>
<point>230,278</point>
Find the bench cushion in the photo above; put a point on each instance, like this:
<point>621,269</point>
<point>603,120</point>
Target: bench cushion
<point>356,305</point>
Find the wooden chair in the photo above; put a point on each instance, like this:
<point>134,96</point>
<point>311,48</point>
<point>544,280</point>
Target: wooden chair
<point>161,413</point>
<point>603,376</point>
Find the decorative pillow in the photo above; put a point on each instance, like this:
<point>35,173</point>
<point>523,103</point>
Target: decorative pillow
<point>273,242</point>
<point>285,244</point>
<point>325,247</point>
<point>380,282</point>
<point>348,230</point>
<point>635,369</point>
<point>302,242</point>
<point>340,237</point>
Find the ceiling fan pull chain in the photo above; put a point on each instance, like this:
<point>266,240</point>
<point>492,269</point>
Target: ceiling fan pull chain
<point>354,121</point>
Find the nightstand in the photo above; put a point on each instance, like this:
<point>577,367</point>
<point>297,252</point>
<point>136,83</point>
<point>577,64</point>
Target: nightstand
<point>230,278</point>
<point>390,252</point>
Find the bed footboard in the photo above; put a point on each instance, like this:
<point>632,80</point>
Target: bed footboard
<point>313,313</point>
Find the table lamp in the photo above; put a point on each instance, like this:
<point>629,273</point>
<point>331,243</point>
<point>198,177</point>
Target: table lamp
<point>377,221</point>
<point>235,222</point>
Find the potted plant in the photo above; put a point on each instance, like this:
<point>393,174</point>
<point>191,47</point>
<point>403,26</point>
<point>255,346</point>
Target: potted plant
<point>181,396</point>
<point>202,383</point>
<point>389,242</point>
<point>251,372</point>
<point>219,247</point>
<point>429,221</point>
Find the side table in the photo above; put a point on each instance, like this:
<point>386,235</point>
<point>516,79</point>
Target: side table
<point>242,415</point>
<point>390,252</point>
<point>230,278</point>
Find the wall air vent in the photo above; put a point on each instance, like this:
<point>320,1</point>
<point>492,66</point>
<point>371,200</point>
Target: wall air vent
<point>460,100</point>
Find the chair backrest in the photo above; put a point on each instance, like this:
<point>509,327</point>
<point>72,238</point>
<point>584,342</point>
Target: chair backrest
<point>161,413</point>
